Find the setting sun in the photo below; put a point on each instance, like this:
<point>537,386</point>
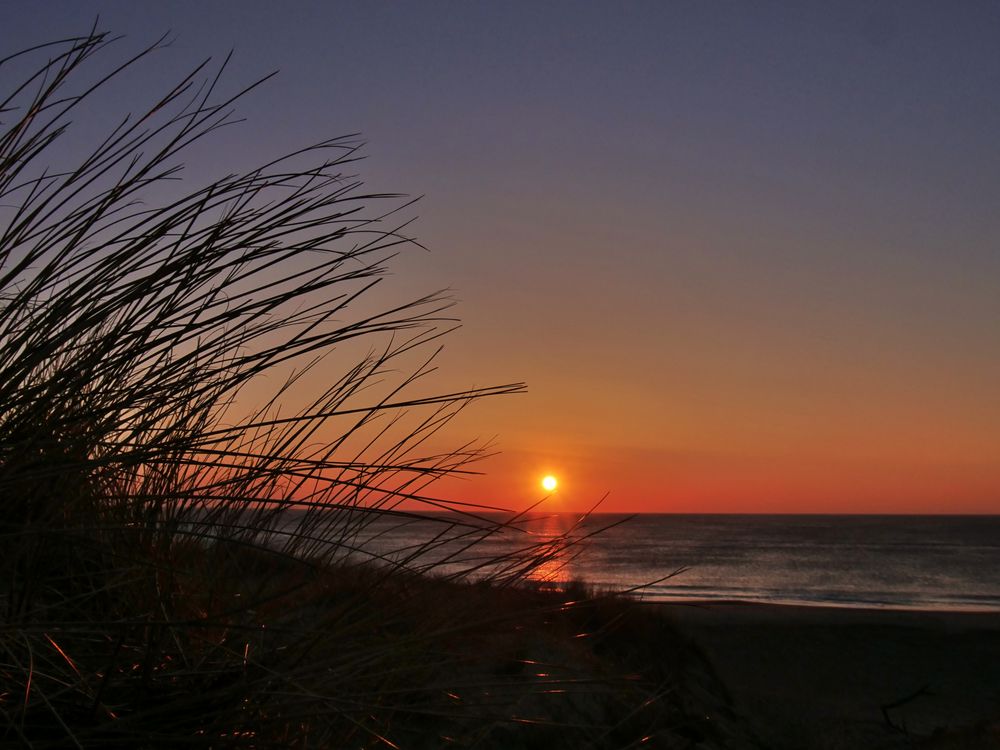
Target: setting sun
<point>549,483</point>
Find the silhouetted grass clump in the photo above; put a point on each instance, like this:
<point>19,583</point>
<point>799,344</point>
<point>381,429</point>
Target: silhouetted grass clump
<point>181,571</point>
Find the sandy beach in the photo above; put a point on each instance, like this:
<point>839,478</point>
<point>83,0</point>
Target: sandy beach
<point>817,677</point>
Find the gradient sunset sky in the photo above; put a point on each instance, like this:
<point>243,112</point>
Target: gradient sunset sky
<point>745,255</point>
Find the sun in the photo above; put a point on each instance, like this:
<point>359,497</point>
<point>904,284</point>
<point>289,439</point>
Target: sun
<point>549,483</point>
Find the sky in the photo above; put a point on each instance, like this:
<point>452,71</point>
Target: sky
<point>745,256</point>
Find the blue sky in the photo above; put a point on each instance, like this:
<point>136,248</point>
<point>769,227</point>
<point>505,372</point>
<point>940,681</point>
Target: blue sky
<point>710,236</point>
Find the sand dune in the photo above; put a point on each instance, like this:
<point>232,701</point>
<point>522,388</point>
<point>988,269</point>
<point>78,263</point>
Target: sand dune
<point>809,677</point>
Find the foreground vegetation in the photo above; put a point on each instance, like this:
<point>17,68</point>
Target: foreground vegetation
<point>180,570</point>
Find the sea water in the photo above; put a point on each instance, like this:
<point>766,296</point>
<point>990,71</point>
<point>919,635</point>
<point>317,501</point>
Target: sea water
<point>927,562</point>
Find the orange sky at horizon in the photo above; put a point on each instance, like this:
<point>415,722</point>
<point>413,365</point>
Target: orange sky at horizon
<point>644,482</point>
<point>836,441</point>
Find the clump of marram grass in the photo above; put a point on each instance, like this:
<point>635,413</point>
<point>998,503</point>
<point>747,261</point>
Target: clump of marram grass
<point>178,573</point>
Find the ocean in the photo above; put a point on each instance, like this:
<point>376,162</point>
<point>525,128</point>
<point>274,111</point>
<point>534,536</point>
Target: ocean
<point>908,562</point>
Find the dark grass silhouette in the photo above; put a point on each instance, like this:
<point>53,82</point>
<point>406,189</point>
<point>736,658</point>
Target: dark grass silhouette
<point>177,573</point>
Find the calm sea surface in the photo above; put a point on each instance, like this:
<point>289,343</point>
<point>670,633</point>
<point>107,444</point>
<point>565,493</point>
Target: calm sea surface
<point>936,562</point>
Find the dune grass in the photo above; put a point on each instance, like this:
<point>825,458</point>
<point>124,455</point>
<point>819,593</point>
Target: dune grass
<point>180,570</point>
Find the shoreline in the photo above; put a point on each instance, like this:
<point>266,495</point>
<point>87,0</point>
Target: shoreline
<point>800,608</point>
<point>844,677</point>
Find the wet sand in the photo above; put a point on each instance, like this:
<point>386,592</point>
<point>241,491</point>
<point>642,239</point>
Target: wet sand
<point>818,677</point>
